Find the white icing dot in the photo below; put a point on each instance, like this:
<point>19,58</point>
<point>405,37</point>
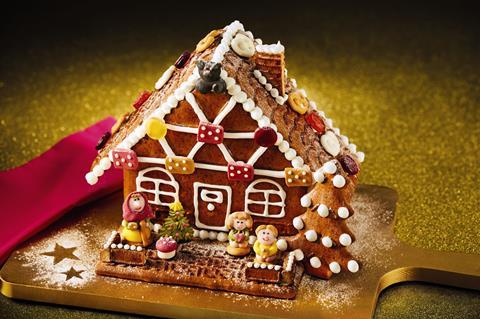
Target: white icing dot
<point>298,254</point>
<point>196,233</point>
<point>222,237</point>
<point>203,234</point>
<point>91,178</point>
<point>361,156</point>
<point>113,246</point>
<point>133,247</point>
<point>210,207</point>
<point>209,132</point>
<point>305,201</point>
<point>279,139</point>
<point>352,266</point>
<point>268,87</point>
<point>139,248</point>
<point>343,212</point>
<point>257,73</point>
<point>290,154</point>
<point>250,264</point>
<point>339,181</point>
<point>248,105</point>
<point>345,239</point>
<point>284,146</point>
<point>263,121</point>
<point>277,267</point>
<point>126,247</point>
<point>315,262</point>
<point>297,162</point>
<point>334,267</point>
<point>270,266</point>
<point>262,80</point>
<point>282,244</point>
<point>311,235</point>
<point>329,167</point>
<point>105,163</point>
<point>327,242</point>
<point>120,246</point>
<point>263,266</point>
<point>352,147</point>
<point>212,235</point>
<point>274,93</point>
<point>234,90</point>
<point>318,176</point>
<point>97,170</point>
<point>240,97</point>
<point>256,114</point>
<point>105,246</point>
<point>298,223</point>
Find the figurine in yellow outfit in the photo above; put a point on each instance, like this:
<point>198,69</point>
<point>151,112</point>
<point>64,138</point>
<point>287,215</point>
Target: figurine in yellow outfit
<point>136,225</point>
<point>265,246</point>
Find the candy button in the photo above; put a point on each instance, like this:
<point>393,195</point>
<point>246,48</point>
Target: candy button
<point>156,128</point>
<point>330,143</point>
<point>297,177</point>
<point>265,136</point>
<point>180,165</point>
<point>125,159</point>
<point>240,171</point>
<point>210,133</point>
<point>349,165</point>
<point>315,122</point>
<point>298,102</point>
<point>243,45</point>
<point>207,41</point>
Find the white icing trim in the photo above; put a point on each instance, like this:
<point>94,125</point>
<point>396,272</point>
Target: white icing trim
<point>165,77</point>
<point>269,87</point>
<point>275,48</point>
<point>226,153</point>
<point>267,192</point>
<point>227,189</point>
<point>195,149</point>
<point>191,100</point>
<point>256,155</point>
<point>239,135</point>
<point>183,129</point>
<point>168,150</point>
<point>157,182</point>
<point>225,110</point>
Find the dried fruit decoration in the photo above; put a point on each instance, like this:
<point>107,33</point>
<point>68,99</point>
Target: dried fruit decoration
<point>103,140</point>
<point>182,60</point>
<point>141,99</point>
<point>315,122</point>
<point>349,165</point>
<point>265,136</point>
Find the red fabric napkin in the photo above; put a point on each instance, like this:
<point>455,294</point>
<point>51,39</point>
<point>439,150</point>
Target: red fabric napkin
<point>37,193</point>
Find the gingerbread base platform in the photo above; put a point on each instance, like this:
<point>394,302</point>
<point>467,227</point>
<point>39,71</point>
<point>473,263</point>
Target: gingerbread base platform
<point>58,266</point>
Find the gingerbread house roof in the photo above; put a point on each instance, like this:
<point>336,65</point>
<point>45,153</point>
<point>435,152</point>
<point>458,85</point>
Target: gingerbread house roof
<point>260,93</point>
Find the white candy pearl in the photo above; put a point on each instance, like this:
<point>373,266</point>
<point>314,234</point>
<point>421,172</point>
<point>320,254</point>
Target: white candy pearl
<point>290,154</point>
<point>361,156</point>
<point>318,176</point>
<point>256,114</point>
<point>203,234</point>
<point>352,147</point>
<point>330,167</point>
<point>339,181</point>
<point>222,237</point>
<point>91,178</point>
<point>327,241</point>
<point>305,201</point>
<point>315,262</point>
<point>298,254</point>
<point>298,223</point>
<point>297,162</point>
<point>97,170</point>
<point>248,105</point>
<point>105,163</point>
<point>311,235</point>
<point>343,212</point>
<point>353,266</point>
<point>334,267</point>
<point>282,244</point>
<point>212,235</point>
<point>284,146</point>
<point>322,210</point>
<point>345,239</point>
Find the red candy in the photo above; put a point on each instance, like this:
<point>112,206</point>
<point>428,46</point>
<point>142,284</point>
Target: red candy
<point>210,133</point>
<point>141,99</point>
<point>166,244</point>
<point>125,159</point>
<point>182,60</point>
<point>240,171</point>
<point>265,136</point>
<point>349,165</point>
<point>315,122</point>
<point>103,140</point>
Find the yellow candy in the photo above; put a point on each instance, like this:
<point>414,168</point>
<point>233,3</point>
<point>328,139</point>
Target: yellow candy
<point>298,102</point>
<point>207,41</point>
<point>156,128</point>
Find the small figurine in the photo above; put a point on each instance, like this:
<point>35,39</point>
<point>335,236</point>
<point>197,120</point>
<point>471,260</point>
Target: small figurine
<point>166,247</point>
<point>265,246</point>
<point>239,224</point>
<point>210,77</point>
<point>136,227</point>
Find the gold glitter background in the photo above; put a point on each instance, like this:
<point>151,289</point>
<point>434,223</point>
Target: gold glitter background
<point>403,83</point>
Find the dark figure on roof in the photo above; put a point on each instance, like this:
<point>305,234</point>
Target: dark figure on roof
<point>210,77</point>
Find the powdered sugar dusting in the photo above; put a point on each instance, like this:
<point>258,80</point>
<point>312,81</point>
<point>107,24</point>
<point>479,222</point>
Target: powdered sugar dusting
<point>55,275</point>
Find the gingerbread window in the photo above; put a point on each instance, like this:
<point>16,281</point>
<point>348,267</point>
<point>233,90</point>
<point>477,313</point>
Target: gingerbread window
<point>266,198</point>
<point>159,185</point>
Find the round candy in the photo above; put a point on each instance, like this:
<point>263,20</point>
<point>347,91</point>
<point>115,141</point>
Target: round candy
<point>315,122</point>
<point>315,262</point>
<point>243,45</point>
<point>345,239</point>
<point>311,235</point>
<point>353,266</point>
<point>339,181</point>
<point>103,140</point>
<point>91,178</point>
<point>182,60</point>
<point>349,165</point>
<point>327,241</point>
<point>322,210</point>
<point>343,212</point>
<point>298,102</point>
<point>334,267</point>
<point>156,128</point>
<point>330,143</point>
<point>265,136</point>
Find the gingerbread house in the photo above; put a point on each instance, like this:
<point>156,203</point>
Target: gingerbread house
<point>261,146</point>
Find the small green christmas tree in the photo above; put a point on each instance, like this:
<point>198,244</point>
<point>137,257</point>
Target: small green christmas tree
<point>177,224</point>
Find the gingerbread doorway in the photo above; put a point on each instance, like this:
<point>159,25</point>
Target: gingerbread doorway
<point>212,204</point>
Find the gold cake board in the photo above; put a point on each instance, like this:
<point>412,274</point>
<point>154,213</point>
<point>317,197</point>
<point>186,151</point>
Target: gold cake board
<point>58,266</point>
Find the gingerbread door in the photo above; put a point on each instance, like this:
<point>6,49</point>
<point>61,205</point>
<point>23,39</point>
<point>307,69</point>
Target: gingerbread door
<point>212,204</point>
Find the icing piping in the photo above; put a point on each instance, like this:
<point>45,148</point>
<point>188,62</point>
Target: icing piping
<point>227,189</point>
<point>157,182</point>
<point>267,192</point>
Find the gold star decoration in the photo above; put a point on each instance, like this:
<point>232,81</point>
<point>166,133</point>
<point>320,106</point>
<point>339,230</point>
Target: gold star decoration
<point>72,272</point>
<point>60,253</point>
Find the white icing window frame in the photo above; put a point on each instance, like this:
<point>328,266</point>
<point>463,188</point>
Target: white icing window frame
<point>157,182</point>
<point>208,190</point>
<point>266,202</point>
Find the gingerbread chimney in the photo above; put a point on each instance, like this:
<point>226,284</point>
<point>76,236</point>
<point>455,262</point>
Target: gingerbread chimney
<point>270,60</point>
